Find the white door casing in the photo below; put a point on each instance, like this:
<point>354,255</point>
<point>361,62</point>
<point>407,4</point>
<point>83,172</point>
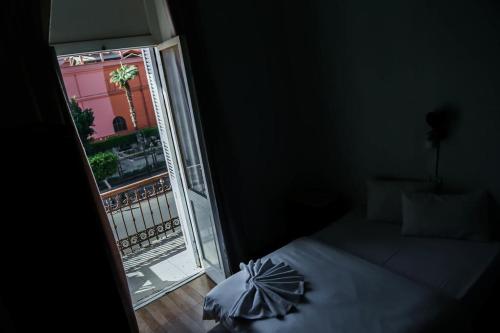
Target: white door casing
<point>167,141</point>
<point>185,153</point>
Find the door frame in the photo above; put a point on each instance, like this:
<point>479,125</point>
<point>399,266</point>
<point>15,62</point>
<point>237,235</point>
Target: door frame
<point>169,145</point>
<point>199,137</point>
<point>113,254</point>
<point>189,82</point>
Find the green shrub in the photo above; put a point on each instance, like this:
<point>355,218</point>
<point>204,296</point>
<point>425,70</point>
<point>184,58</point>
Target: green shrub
<point>84,122</point>
<point>149,132</point>
<point>121,141</point>
<point>103,165</point>
<point>113,142</point>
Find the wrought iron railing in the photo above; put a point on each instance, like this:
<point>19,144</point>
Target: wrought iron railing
<point>141,213</point>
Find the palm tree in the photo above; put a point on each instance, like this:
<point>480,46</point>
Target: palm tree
<point>120,77</point>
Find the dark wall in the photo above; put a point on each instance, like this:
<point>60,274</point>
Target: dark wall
<point>56,271</point>
<point>329,93</point>
<point>388,63</point>
<point>257,124</point>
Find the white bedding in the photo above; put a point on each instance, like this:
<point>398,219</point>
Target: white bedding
<point>344,293</point>
<point>456,268</point>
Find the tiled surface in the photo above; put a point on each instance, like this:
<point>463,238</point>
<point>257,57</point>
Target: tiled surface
<point>184,261</point>
<point>158,267</point>
<point>167,272</point>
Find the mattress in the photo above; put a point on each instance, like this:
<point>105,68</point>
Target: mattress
<point>344,294</point>
<point>363,276</point>
<point>460,269</point>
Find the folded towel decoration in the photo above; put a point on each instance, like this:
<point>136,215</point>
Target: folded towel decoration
<point>271,290</point>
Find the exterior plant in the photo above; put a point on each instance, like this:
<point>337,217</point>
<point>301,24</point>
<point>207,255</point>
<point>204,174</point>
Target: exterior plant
<point>121,77</point>
<point>84,122</point>
<point>104,165</point>
<point>113,142</point>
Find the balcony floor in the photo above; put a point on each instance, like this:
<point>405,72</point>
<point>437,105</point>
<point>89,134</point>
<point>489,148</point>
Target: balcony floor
<point>158,266</point>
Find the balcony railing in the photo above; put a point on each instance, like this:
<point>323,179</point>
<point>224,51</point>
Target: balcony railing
<point>142,213</point>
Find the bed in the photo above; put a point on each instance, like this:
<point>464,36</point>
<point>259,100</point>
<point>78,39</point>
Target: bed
<point>363,276</point>
<point>460,269</point>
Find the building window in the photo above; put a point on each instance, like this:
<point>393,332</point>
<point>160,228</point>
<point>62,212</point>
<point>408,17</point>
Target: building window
<point>119,124</point>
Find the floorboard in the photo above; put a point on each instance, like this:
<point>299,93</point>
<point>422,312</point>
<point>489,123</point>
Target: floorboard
<point>178,311</point>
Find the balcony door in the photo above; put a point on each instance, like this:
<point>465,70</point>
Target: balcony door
<point>188,157</point>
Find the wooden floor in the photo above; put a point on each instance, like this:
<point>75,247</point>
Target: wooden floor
<point>178,311</point>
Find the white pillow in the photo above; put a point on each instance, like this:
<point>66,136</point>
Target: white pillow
<point>462,216</point>
<point>384,198</point>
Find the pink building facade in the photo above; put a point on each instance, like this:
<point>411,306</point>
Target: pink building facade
<point>89,84</point>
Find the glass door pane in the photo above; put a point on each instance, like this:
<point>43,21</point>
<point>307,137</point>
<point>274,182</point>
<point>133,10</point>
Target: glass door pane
<point>183,119</point>
<point>198,196</point>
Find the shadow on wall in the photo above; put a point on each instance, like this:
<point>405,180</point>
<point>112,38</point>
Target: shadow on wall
<point>386,66</point>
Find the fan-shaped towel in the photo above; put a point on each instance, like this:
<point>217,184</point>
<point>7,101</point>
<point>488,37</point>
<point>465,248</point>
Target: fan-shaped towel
<point>271,290</point>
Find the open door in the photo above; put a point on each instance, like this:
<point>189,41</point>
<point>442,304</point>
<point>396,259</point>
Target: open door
<point>188,153</point>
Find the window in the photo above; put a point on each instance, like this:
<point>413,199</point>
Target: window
<point>119,124</point>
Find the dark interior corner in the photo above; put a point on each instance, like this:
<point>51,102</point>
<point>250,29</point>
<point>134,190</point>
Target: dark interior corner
<point>56,272</point>
<point>343,90</point>
<point>301,103</point>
